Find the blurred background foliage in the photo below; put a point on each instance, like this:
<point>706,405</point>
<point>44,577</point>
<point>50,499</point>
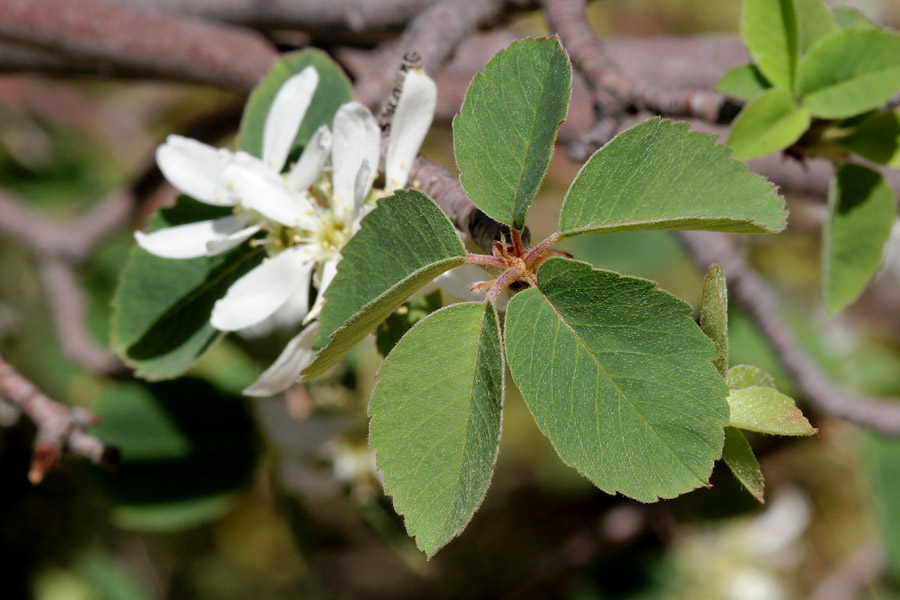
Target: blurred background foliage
<point>224,497</point>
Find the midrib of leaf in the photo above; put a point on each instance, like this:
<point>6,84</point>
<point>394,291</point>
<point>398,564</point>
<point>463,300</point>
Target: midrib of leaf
<point>622,397</point>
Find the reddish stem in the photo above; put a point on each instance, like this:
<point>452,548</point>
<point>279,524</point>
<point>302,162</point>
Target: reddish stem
<point>483,259</point>
<point>518,246</point>
<point>502,282</point>
<point>538,250</point>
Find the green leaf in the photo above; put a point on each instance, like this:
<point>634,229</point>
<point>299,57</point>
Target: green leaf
<point>436,420</point>
<point>738,455</point>
<point>850,18</point>
<point>877,138</point>
<point>660,175</point>
<point>401,320</point>
<point>745,82</point>
<point>861,212</point>
<point>186,449</point>
<point>850,73</point>
<point>402,245</point>
<point>766,410</point>
<point>504,133</point>
<point>714,315</point>
<point>332,91</point>
<point>161,309</point>
<point>769,29</point>
<point>770,123</point>
<point>742,376</point>
<point>778,33</point>
<point>619,378</point>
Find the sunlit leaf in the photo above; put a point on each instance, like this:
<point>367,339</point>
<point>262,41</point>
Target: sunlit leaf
<point>771,122</point>
<point>766,410</point>
<point>504,133</point>
<point>436,420</point>
<point>742,376</point>
<point>619,378</point>
<point>745,82</point>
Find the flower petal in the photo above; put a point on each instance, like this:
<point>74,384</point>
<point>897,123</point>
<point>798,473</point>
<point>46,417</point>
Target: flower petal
<point>357,138</point>
<point>459,281</point>
<point>285,115</point>
<point>312,160</point>
<point>233,240</point>
<point>289,315</point>
<point>286,368</point>
<point>194,239</point>
<point>195,169</point>
<point>262,291</point>
<point>271,197</point>
<point>412,118</point>
<point>329,270</point>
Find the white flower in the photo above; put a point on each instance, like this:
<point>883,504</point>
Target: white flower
<point>307,215</point>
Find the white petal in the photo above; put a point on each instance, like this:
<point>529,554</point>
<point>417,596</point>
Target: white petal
<point>285,115</point>
<point>361,187</point>
<point>192,240</point>
<point>357,138</point>
<point>329,270</point>
<point>271,197</point>
<point>228,242</point>
<point>286,368</point>
<point>412,118</point>
<point>459,281</point>
<point>289,315</point>
<point>312,160</point>
<point>262,291</point>
<point>195,169</point>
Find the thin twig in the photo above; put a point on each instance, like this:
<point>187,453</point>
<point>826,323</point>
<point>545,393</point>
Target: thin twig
<point>756,297</point>
<point>60,428</point>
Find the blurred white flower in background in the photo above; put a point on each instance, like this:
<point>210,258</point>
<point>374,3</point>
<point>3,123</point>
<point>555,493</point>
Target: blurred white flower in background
<point>306,214</point>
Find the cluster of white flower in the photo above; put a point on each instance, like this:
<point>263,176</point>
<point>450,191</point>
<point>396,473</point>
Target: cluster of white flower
<point>306,214</point>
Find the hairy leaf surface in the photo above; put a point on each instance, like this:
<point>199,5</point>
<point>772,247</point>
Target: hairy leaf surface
<point>738,455</point>
<point>660,175</point>
<point>861,212</point>
<point>504,133</point>
<point>619,377</point>
<point>766,410</point>
<point>402,245</point>
<point>436,420</point>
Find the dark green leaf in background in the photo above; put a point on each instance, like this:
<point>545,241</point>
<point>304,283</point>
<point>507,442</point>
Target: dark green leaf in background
<point>160,323</point>
<point>738,455</point>
<point>745,82</point>
<point>877,138</point>
<point>333,91</point>
<point>436,420</point>
<point>402,245</point>
<point>861,212</point>
<point>503,136</point>
<point>771,122</point>
<point>659,175</point>
<point>619,378</point>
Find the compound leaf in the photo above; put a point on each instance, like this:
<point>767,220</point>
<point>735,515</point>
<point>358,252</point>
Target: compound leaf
<point>332,91</point>
<point>161,309</point>
<point>402,245</point>
<point>436,420</point>
<point>504,133</point>
<point>850,73</point>
<point>660,175</point>
<point>619,378</point>
<point>861,211</point>
<point>771,122</point>
<point>738,455</point>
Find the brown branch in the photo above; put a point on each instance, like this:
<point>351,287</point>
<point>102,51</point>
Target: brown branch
<point>139,42</point>
<point>60,429</point>
<point>756,297</point>
<point>568,19</point>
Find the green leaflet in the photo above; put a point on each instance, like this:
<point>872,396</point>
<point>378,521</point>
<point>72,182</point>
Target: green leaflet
<point>401,320</point>
<point>332,91</point>
<point>778,33</point>
<point>745,82</point>
<point>436,420</point>
<point>850,73</point>
<point>742,376</point>
<point>861,211</point>
<point>659,175</point>
<point>503,136</point>
<point>850,18</point>
<point>160,322</point>
<point>766,410</point>
<point>769,123</point>
<point>402,245</point>
<point>714,315</point>
<point>619,378</point>
<point>738,455</point>
<point>877,138</point>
